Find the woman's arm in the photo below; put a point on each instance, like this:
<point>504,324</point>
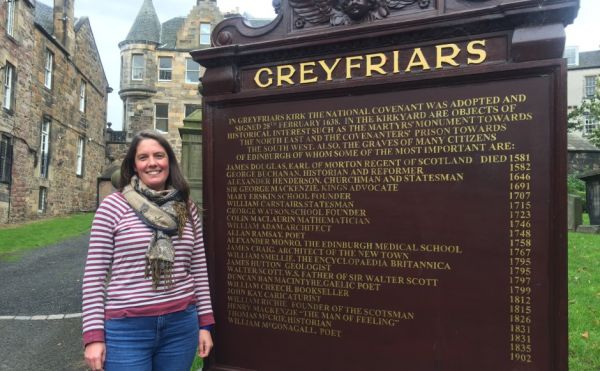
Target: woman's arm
<point>99,258</point>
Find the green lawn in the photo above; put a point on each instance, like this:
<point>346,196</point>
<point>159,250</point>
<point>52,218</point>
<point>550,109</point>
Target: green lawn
<point>584,302</point>
<point>16,239</point>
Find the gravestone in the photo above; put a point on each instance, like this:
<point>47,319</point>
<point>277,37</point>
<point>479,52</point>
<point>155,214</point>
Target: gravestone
<point>384,186</point>
<point>592,195</point>
<point>574,212</point>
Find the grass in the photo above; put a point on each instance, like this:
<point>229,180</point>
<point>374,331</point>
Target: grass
<point>17,239</point>
<point>584,302</point>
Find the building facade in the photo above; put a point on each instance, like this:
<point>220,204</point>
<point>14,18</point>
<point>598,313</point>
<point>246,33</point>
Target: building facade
<point>583,78</point>
<point>159,79</point>
<point>53,117</point>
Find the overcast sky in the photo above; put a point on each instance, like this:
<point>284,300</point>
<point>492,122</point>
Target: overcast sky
<point>112,19</point>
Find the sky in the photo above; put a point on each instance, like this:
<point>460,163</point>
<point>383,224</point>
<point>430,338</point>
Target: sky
<point>112,19</point>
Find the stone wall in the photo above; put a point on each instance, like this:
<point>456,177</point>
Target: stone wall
<point>580,162</point>
<point>67,192</point>
<point>16,123</point>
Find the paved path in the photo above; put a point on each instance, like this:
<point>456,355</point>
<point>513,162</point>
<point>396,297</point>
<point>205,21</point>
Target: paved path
<point>40,305</point>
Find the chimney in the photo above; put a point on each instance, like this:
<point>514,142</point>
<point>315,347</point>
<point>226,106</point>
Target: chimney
<point>64,18</point>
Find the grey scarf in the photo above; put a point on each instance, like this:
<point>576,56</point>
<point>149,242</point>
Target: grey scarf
<point>164,212</point>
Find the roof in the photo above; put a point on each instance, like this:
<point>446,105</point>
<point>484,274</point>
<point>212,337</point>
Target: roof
<point>575,142</point>
<point>168,36</point>
<point>587,60</point>
<point>44,17</point>
<point>146,26</point>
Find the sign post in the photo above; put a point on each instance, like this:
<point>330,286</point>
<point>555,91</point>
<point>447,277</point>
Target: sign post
<point>384,186</point>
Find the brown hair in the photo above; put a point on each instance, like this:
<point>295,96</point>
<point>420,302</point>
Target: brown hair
<point>175,179</point>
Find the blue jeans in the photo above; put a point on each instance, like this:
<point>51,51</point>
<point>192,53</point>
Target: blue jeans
<point>160,343</point>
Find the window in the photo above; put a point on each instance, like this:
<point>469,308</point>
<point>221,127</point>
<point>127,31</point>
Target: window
<point>43,197</point>
<point>161,117</point>
<point>137,67</point>
<point>590,86</point>
<point>572,55</point>
<point>192,71</point>
<point>48,69</point>
<point>204,33</point>
<point>165,68</point>
<point>9,86</point>
<point>5,159</point>
<point>10,17</point>
<point>589,124</point>
<point>82,96</point>
<point>44,148</point>
<point>191,108</point>
<point>80,154</point>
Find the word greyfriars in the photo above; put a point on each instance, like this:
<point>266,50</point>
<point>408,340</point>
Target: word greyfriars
<point>369,65</point>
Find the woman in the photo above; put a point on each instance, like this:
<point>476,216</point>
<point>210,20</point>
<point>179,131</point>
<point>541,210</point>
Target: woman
<point>146,302</point>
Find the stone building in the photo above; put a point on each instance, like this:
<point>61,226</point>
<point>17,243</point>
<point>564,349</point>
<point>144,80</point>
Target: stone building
<point>583,77</point>
<point>54,99</point>
<point>159,79</point>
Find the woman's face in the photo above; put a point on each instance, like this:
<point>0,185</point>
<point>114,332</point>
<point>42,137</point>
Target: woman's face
<point>152,164</point>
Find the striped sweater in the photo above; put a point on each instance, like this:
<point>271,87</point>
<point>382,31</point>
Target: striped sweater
<point>118,243</point>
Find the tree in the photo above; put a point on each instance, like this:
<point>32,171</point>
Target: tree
<point>589,109</point>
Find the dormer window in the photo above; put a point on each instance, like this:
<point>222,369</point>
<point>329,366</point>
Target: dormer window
<point>572,55</point>
<point>205,30</point>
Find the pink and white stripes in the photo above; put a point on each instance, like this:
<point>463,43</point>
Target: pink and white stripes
<point>114,285</point>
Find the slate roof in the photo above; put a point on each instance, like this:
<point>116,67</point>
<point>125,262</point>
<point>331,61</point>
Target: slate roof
<point>575,142</point>
<point>588,60</point>
<point>44,17</point>
<point>146,26</point>
<point>168,36</point>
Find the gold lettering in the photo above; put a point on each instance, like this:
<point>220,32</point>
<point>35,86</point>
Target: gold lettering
<point>448,59</point>
<point>350,65</point>
<point>285,77</point>
<point>307,68</point>
<point>257,77</point>
<point>396,61</point>
<point>482,53</point>
<point>417,60</point>
<point>329,70</point>
<point>376,67</point>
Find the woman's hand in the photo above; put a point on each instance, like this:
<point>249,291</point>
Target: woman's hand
<point>205,343</point>
<point>95,353</point>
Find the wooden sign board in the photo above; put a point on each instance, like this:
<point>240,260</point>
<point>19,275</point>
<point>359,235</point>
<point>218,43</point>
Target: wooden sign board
<point>385,187</point>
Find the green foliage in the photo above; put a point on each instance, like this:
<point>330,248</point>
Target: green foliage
<point>584,302</point>
<point>576,186</point>
<point>16,239</point>
<point>589,107</point>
